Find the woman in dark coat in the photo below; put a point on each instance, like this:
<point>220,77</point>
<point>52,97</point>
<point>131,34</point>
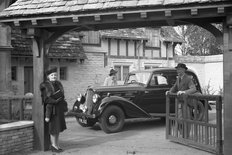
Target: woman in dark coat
<point>52,94</point>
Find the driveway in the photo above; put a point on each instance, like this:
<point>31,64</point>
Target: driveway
<point>139,137</point>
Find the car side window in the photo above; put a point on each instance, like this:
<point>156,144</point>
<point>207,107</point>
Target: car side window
<point>158,80</point>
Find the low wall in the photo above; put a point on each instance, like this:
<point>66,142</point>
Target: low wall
<point>16,137</point>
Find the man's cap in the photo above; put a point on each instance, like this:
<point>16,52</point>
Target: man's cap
<point>181,65</point>
<point>52,70</point>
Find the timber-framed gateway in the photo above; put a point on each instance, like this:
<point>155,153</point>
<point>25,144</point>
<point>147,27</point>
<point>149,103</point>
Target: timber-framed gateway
<point>45,20</point>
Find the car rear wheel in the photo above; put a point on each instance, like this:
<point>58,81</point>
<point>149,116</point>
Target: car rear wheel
<point>85,122</point>
<point>112,119</point>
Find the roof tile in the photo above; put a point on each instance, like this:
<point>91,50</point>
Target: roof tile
<point>101,1</point>
<point>92,1</point>
<point>62,9</point>
<point>143,2</point>
<point>32,6</point>
<point>63,47</point>
<point>82,2</point>
<point>71,3</point>
<point>156,2</point>
<point>128,3</point>
<point>58,4</point>
<point>92,6</point>
<point>76,8</point>
<point>48,10</point>
<point>40,5</point>
<point>112,4</point>
<point>174,2</point>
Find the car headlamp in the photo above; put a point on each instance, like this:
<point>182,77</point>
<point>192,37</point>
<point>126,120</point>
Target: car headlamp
<point>75,108</point>
<point>81,98</point>
<point>95,98</point>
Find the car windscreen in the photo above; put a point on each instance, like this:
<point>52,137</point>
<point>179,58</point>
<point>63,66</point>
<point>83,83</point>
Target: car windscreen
<point>140,78</point>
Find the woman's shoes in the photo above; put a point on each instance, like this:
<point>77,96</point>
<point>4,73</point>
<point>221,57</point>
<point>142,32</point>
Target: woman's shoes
<point>56,150</point>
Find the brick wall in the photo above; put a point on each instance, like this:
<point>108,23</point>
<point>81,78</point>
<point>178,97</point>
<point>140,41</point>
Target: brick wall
<point>16,137</point>
<point>80,76</point>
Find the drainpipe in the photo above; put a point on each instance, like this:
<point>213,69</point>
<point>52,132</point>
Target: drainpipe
<point>139,53</point>
<point>167,54</point>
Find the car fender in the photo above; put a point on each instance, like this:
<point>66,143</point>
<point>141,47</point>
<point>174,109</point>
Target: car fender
<point>130,109</point>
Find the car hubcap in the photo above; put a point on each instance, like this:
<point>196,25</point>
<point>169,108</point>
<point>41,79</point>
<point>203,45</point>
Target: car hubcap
<point>112,119</point>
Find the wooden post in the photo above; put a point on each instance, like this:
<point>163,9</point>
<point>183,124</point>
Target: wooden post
<point>41,137</point>
<point>167,115</point>
<point>227,74</point>
<point>21,109</point>
<point>219,125</point>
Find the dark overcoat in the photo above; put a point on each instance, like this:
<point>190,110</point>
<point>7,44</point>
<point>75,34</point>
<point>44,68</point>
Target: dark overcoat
<point>57,122</point>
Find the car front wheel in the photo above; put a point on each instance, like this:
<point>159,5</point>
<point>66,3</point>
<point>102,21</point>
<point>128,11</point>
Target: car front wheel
<point>112,119</point>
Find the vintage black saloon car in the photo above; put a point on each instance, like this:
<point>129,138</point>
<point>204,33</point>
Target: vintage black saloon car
<point>141,96</point>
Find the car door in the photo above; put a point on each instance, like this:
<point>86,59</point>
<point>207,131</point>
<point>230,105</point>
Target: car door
<point>154,99</point>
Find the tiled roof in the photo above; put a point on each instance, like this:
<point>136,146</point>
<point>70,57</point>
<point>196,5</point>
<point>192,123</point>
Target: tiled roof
<point>167,33</point>
<point>59,7</point>
<point>135,34</point>
<point>67,46</point>
<point>21,46</point>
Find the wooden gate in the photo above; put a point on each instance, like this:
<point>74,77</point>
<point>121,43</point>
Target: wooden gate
<point>193,123</point>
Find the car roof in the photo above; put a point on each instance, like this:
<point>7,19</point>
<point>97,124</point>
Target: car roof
<point>159,69</point>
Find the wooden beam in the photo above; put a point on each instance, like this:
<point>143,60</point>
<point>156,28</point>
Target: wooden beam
<point>75,19</point>
<point>220,10</point>
<point>227,97</point>
<point>143,14</point>
<point>119,16</point>
<point>229,20</point>
<point>194,11</point>
<point>34,22</point>
<point>33,32</point>
<point>97,17</point>
<point>216,32</point>
<point>171,22</point>
<point>16,23</point>
<point>54,21</point>
<point>168,13</point>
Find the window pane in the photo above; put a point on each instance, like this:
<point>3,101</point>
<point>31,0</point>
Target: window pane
<point>118,68</point>
<point>13,73</point>
<point>63,73</point>
<point>125,71</point>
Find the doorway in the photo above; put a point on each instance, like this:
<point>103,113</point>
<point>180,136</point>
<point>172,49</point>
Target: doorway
<point>28,79</point>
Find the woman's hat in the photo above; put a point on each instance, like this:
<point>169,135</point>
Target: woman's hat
<point>52,70</point>
<point>112,71</point>
<point>181,65</point>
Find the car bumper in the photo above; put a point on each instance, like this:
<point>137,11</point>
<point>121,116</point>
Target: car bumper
<point>80,114</point>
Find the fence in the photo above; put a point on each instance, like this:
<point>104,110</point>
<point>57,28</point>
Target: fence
<point>16,108</point>
<point>191,123</point>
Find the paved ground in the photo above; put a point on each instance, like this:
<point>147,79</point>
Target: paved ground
<point>137,138</point>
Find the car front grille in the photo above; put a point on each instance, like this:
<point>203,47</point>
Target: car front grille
<point>89,101</point>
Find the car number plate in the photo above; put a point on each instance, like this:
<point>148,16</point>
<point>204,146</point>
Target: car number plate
<point>82,120</point>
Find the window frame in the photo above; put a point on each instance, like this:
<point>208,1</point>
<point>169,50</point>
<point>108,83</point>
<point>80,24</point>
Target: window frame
<point>65,76</point>
<point>14,74</point>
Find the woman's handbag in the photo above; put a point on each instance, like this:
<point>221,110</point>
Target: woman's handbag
<point>65,106</point>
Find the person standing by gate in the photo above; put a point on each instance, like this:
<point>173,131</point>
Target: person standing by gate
<point>52,94</point>
<point>183,85</point>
